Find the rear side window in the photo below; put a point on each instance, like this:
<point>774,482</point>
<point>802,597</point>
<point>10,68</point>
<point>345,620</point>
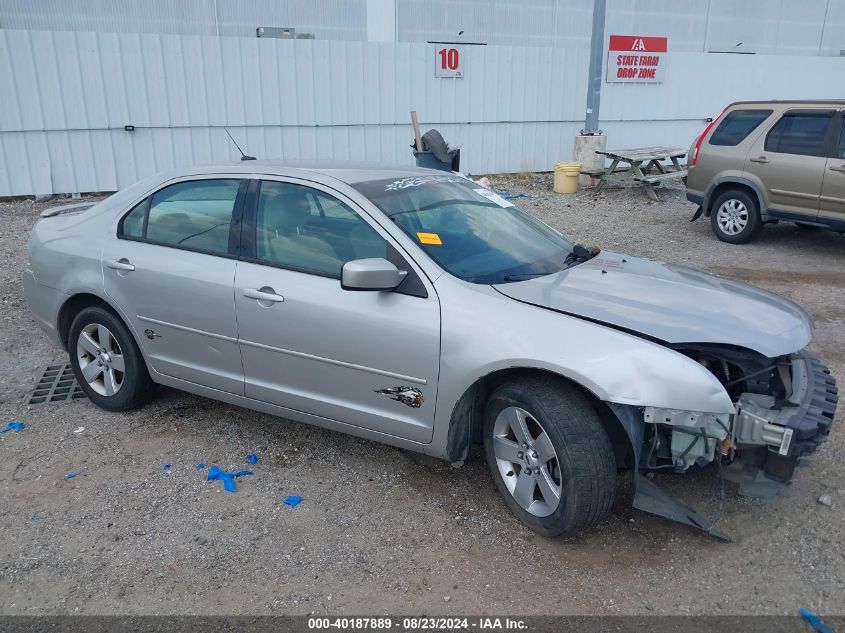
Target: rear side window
<point>841,153</point>
<point>802,133</point>
<point>737,125</point>
<point>195,215</point>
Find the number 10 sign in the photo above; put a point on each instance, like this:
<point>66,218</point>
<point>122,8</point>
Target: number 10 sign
<point>448,61</point>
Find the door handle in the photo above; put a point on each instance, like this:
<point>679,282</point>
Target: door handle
<point>840,168</point>
<point>265,293</point>
<point>760,159</point>
<point>120,264</point>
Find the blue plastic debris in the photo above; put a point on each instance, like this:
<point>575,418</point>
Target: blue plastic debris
<point>14,425</point>
<point>293,501</point>
<point>165,467</point>
<point>514,196</point>
<point>36,517</point>
<point>72,475</point>
<point>200,466</point>
<point>215,473</point>
<point>252,458</point>
<point>815,621</point>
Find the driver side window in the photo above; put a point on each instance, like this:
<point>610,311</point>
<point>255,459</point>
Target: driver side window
<point>311,231</point>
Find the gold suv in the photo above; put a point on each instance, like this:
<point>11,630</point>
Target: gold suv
<point>761,162</point>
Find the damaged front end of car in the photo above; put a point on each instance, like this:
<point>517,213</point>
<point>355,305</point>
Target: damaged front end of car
<point>783,410</point>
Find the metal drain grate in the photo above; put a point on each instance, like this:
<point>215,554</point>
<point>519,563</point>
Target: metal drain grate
<point>57,384</point>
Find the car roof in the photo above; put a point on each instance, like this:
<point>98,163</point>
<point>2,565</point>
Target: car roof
<point>346,171</point>
<point>806,102</point>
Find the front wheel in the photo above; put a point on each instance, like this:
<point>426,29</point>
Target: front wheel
<point>735,217</point>
<point>549,455</point>
<point>107,362</point>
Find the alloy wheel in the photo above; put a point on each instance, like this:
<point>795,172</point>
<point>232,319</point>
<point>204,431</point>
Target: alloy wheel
<point>732,216</point>
<point>527,461</point>
<point>100,359</point>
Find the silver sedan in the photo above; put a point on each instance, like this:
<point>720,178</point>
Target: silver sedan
<point>418,308</point>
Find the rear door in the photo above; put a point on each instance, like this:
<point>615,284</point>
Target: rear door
<point>366,358</point>
<point>790,159</point>
<point>171,270</point>
<point>832,206</point>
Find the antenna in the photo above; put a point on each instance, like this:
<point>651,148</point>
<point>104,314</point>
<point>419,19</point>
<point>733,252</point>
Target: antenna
<point>243,156</point>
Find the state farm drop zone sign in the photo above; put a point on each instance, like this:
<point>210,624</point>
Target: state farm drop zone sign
<point>636,59</point>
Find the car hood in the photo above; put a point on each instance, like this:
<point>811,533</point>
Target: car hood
<point>671,303</point>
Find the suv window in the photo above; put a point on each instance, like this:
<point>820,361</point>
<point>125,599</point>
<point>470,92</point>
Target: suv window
<point>803,133</point>
<point>737,125</point>
<point>194,215</point>
<point>306,229</point>
<point>841,153</point>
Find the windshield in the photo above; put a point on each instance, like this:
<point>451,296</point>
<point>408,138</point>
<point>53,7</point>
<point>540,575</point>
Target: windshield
<point>471,232</point>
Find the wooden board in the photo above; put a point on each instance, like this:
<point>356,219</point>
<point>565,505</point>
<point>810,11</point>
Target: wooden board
<point>657,178</point>
<point>644,154</point>
<point>417,134</point>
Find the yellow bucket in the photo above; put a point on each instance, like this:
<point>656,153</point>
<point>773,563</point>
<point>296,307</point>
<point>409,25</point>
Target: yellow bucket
<point>566,176</point>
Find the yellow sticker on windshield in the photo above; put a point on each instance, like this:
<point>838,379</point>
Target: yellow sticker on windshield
<point>429,238</point>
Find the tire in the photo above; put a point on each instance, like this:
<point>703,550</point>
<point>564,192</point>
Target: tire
<point>100,346</point>
<point>558,417</point>
<point>734,217</point>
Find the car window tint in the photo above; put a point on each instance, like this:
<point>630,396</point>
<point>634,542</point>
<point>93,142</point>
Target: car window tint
<point>737,125</point>
<point>133,222</point>
<point>307,229</point>
<point>194,214</point>
<point>842,142</point>
<point>802,133</point>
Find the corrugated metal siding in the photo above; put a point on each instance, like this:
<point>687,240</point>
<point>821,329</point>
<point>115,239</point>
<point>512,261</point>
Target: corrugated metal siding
<point>149,16</point>
<point>684,23</point>
<point>326,19</point>
<point>809,27</point>
<point>517,109</point>
<point>785,27</point>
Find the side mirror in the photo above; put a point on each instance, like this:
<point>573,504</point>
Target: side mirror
<point>370,274</point>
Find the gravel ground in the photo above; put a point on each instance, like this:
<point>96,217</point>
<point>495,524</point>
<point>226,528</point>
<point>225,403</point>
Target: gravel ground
<point>380,531</point>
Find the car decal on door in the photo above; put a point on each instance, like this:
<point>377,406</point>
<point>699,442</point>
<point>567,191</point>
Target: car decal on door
<point>410,396</point>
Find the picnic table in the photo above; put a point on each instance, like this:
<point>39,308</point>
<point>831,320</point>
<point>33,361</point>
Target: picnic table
<point>651,157</point>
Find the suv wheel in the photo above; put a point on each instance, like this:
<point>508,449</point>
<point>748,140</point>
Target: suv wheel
<point>107,362</point>
<point>735,217</point>
<point>549,455</point>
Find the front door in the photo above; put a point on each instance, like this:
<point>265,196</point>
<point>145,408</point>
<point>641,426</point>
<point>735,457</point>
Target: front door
<point>833,188</point>
<point>171,270</point>
<point>370,359</point>
<point>790,161</point>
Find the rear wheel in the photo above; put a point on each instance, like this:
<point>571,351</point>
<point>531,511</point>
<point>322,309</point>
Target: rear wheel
<point>735,217</point>
<point>107,362</point>
<point>549,455</point>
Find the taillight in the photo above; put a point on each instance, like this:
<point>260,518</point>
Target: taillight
<point>694,158</point>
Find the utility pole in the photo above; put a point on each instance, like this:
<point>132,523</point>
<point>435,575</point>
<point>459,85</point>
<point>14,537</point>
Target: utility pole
<point>591,138</point>
<point>591,123</point>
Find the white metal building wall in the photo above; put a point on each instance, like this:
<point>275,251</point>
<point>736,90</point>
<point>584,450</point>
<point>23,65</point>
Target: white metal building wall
<point>807,27</point>
<point>69,95</point>
<point>326,19</point>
